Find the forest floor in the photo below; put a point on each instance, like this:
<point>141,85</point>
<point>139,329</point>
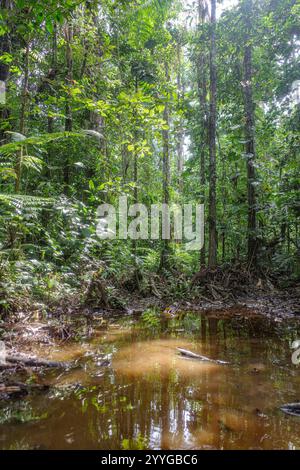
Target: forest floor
<point>209,291</point>
<point>219,292</point>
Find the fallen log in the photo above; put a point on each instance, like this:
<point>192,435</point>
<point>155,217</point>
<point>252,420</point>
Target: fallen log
<point>12,360</point>
<point>18,390</point>
<point>191,355</point>
<point>6,366</point>
<point>9,389</point>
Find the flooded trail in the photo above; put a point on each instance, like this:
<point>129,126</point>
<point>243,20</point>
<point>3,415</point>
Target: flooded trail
<point>131,389</point>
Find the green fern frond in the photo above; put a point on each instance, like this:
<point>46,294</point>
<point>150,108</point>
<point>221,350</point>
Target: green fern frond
<point>33,163</point>
<point>33,202</point>
<point>7,172</point>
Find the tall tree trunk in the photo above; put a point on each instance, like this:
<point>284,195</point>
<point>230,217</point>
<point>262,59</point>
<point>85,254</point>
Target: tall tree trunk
<point>166,173</point>
<point>180,130</point>
<point>125,162</point>
<point>69,115</point>
<point>97,122</point>
<point>50,123</point>
<point>212,255</point>
<point>24,103</point>
<point>250,137</point>
<point>135,180</point>
<point>202,92</point>
<point>50,126</point>
<point>4,71</point>
<point>135,155</point>
<point>135,176</point>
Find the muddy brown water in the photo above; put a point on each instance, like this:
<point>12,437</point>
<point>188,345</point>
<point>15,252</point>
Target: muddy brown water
<point>151,398</point>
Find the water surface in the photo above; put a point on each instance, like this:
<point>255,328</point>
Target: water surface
<point>151,398</point>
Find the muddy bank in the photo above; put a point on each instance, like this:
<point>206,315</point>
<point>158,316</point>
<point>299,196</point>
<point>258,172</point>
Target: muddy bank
<point>275,304</point>
<point>25,331</point>
<point>38,328</point>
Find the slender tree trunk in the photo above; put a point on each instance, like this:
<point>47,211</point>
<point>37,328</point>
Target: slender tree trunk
<point>69,115</point>
<point>125,163</point>
<point>97,122</point>
<point>135,155</point>
<point>25,90</point>
<point>202,91</point>
<point>135,180</point>
<point>4,71</point>
<point>222,159</point>
<point>24,103</point>
<point>250,137</point>
<point>135,177</point>
<point>212,255</point>
<point>50,123</point>
<point>223,247</point>
<point>166,159</point>
<point>180,131</point>
<point>166,174</point>
<point>50,126</point>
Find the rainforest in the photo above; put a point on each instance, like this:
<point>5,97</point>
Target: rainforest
<point>149,225</point>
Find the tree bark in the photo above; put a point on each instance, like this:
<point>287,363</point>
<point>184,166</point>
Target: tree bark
<point>4,70</point>
<point>24,102</point>
<point>135,180</point>
<point>68,110</point>
<point>250,137</point>
<point>180,130</point>
<point>135,155</point>
<point>212,256</point>
<point>166,173</point>
<point>50,123</point>
<point>50,126</point>
<point>202,92</point>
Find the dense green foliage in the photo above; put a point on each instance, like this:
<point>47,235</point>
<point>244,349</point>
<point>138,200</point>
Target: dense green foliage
<point>102,96</point>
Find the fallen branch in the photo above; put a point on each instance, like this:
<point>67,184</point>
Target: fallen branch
<point>6,366</point>
<point>291,409</point>
<point>17,389</point>
<point>191,355</point>
<point>11,361</point>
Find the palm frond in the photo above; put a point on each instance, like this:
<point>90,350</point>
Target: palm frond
<point>16,136</point>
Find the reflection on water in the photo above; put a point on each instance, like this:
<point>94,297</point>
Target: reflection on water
<point>159,357</point>
<point>150,397</point>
